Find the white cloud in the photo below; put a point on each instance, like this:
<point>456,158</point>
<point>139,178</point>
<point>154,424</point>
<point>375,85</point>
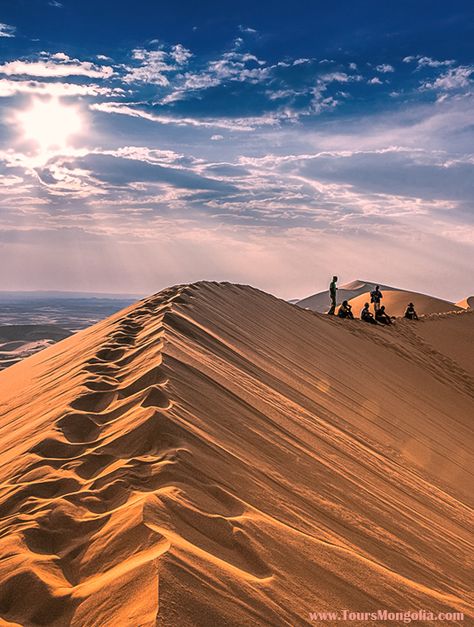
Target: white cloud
<point>384,68</point>
<point>422,61</point>
<point>180,54</point>
<point>9,87</point>
<point>231,66</point>
<point>429,62</point>
<point>375,81</point>
<point>234,124</point>
<point>154,64</point>
<point>246,29</point>
<point>320,102</point>
<point>339,77</point>
<point>280,94</point>
<point>55,4</point>
<point>455,78</point>
<point>7,31</point>
<point>55,65</point>
<point>216,138</point>
<point>235,66</point>
<point>301,61</point>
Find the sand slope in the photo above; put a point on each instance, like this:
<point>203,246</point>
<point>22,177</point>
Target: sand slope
<point>216,456</point>
<point>396,303</point>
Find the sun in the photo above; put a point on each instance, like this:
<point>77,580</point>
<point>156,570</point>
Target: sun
<point>50,123</point>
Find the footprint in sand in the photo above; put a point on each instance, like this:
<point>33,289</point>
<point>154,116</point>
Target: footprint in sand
<point>79,428</point>
<point>155,376</point>
<point>110,353</point>
<point>156,398</point>
<point>100,384</point>
<point>94,402</point>
<point>49,448</point>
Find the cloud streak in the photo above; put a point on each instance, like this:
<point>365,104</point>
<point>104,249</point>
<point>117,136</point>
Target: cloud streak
<point>7,31</point>
<point>55,65</point>
<point>10,87</point>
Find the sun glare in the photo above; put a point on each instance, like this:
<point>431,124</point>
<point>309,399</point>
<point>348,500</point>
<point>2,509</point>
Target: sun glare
<point>49,123</point>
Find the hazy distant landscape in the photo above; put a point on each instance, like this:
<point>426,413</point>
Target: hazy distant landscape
<point>31,321</point>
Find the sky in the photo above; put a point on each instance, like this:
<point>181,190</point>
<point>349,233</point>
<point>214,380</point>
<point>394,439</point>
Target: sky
<point>149,143</point>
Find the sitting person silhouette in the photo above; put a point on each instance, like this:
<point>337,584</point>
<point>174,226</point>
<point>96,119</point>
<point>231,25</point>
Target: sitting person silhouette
<point>366,315</point>
<point>381,316</point>
<point>410,312</point>
<point>345,311</point>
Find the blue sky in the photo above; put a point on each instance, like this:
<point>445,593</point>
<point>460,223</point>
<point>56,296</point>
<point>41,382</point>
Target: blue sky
<point>265,143</point>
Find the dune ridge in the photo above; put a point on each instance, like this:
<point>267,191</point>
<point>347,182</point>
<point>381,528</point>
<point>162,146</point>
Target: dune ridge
<point>214,455</point>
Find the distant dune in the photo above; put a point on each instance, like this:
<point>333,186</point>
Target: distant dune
<point>320,302</point>
<point>467,303</point>
<point>213,455</point>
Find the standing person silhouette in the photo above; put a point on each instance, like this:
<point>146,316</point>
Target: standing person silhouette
<point>333,295</point>
<point>375,297</point>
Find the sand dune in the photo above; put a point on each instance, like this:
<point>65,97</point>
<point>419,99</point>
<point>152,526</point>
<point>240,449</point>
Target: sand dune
<point>396,303</point>
<point>215,456</point>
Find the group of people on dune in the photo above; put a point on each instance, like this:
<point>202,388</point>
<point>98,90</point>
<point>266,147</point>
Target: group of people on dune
<point>379,316</point>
